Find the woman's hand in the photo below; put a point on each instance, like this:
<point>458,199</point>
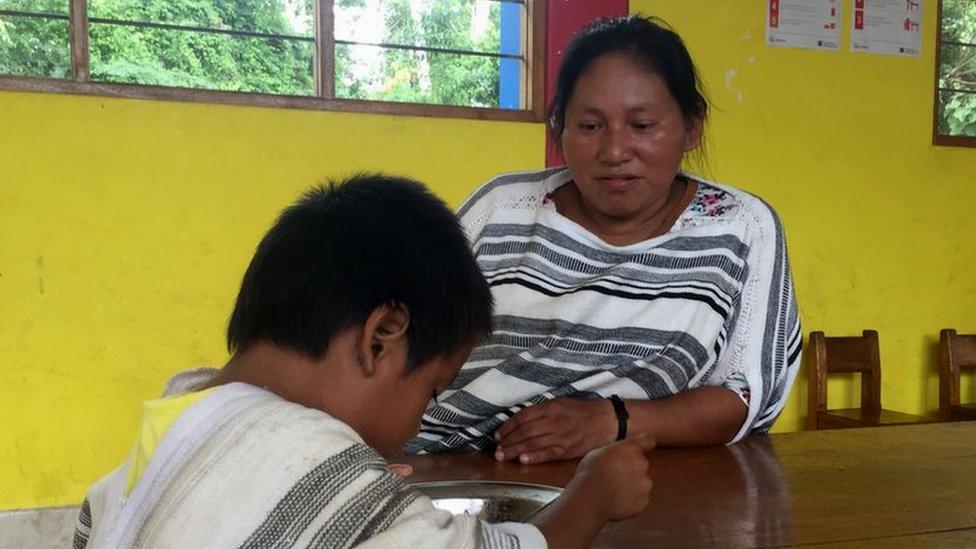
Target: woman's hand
<point>561,428</point>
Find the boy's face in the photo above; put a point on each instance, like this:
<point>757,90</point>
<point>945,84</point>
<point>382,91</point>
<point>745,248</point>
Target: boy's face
<point>401,404</point>
<point>363,380</point>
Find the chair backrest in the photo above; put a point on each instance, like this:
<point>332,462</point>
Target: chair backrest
<point>956,352</point>
<point>836,355</point>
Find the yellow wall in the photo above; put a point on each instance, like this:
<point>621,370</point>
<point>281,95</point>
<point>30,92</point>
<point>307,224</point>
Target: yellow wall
<point>881,225</point>
<point>125,227</point>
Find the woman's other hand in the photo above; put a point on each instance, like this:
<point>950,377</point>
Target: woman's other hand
<point>561,428</point>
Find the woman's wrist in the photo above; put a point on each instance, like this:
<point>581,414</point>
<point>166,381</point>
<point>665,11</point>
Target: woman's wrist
<point>607,422</point>
<point>621,415</point>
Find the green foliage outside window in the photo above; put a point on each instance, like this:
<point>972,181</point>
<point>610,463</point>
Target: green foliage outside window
<point>33,46</point>
<point>192,59</point>
<point>424,77</point>
<point>957,69</point>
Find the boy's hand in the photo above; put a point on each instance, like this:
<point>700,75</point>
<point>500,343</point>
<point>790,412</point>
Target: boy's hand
<point>616,477</point>
<point>610,484</point>
<point>402,469</point>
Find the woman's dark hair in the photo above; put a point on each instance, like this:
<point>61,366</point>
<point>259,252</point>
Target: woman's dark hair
<point>348,247</point>
<point>650,42</point>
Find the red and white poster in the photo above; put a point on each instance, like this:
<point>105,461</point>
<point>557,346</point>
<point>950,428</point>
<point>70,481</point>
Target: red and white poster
<point>813,24</point>
<point>891,27</point>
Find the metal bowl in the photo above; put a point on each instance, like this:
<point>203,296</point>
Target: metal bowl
<point>491,501</point>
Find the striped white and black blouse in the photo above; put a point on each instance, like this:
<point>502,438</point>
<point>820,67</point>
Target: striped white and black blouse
<point>710,302</point>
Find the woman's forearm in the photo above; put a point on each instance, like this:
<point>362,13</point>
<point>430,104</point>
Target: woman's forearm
<point>567,427</point>
<point>698,417</point>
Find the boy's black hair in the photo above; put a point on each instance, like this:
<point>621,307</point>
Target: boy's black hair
<point>651,43</point>
<point>350,246</point>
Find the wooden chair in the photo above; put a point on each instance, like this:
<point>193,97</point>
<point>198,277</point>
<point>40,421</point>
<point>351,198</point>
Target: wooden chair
<point>955,353</point>
<point>836,355</point>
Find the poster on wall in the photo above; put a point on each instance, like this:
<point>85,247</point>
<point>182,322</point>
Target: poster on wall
<point>812,24</point>
<point>891,27</point>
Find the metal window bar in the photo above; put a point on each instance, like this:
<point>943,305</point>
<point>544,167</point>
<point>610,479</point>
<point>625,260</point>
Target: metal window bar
<point>432,49</point>
<point>266,35</point>
<point>35,14</point>
<point>193,28</point>
<point>964,44</point>
<point>51,15</point>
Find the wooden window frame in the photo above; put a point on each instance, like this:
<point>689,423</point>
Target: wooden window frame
<point>80,82</point>
<point>939,138</point>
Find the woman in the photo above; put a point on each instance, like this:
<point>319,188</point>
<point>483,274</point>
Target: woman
<point>630,296</point>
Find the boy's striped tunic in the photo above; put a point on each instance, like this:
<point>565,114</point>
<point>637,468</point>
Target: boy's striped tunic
<point>243,468</point>
<point>708,303</point>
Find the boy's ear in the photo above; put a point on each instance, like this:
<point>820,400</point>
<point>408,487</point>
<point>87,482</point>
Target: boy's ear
<point>384,334</point>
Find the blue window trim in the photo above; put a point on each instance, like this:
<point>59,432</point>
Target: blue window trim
<point>510,70</point>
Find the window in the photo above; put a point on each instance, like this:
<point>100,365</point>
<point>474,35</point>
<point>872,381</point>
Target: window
<point>34,38</point>
<point>467,58</point>
<point>955,105</point>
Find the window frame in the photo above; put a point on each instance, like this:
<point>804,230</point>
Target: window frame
<point>79,81</point>
<point>941,139</point>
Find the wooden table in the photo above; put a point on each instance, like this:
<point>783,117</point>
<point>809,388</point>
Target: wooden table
<point>909,486</point>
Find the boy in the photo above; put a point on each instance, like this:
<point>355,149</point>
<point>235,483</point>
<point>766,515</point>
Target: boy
<point>358,308</point>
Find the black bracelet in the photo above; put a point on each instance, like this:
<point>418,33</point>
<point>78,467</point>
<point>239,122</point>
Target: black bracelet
<point>621,410</point>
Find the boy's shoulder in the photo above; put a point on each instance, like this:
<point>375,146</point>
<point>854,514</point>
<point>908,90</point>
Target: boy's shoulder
<point>252,466</point>
<point>277,416</point>
<point>188,380</point>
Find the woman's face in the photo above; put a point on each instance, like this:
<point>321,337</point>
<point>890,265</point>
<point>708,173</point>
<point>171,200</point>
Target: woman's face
<point>624,137</point>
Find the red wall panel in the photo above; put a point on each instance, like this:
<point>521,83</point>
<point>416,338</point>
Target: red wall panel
<point>564,18</point>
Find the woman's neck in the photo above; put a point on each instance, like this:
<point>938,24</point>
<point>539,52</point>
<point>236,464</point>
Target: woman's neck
<point>652,221</point>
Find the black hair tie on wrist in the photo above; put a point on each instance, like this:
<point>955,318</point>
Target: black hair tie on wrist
<point>621,410</point>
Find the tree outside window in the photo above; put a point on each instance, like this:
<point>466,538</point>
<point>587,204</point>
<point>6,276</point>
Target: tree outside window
<point>466,53</point>
<point>955,122</point>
